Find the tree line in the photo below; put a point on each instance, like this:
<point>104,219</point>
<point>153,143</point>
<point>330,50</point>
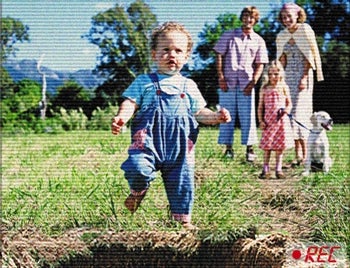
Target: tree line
<point>121,34</point>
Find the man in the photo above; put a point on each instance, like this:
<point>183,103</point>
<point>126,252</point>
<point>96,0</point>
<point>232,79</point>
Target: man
<point>240,58</point>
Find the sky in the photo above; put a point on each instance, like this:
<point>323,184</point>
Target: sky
<point>56,26</point>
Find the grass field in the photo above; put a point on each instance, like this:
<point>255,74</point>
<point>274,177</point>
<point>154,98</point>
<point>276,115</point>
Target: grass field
<point>61,181</point>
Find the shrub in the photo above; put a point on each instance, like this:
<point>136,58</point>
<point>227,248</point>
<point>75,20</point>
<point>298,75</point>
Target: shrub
<point>73,119</point>
<point>101,119</point>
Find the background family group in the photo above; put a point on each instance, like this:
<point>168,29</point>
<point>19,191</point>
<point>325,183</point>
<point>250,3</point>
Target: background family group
<point>168,106</point>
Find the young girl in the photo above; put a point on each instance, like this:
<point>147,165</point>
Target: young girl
<point>274,105</point>
<point>164,129</point>
<point>298,52</point>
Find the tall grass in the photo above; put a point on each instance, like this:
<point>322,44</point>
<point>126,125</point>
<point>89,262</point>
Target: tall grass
<point>330,193</point>
<point>73,179</point>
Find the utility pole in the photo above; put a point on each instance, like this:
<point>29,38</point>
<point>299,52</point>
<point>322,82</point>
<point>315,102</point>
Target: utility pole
<point>43,102</point>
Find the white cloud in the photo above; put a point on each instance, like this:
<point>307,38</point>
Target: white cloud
<point>103,6</point>
<point>89,51</point>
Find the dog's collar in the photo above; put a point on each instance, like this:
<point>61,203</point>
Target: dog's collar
<point>315,131</point>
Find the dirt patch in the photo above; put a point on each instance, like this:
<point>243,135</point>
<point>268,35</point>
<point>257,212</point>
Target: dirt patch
<point>92,248</point>
<point>30,248</point>
<point>283,204</point>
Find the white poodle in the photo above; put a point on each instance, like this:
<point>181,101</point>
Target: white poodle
<point>317,144</point>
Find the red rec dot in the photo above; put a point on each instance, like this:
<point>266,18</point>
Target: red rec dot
<point>296,254</point>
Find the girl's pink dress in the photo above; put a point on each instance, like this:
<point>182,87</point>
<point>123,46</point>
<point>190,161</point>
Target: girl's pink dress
<point>278,134</point>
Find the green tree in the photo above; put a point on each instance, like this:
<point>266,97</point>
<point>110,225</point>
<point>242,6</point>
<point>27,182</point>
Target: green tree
<point>332,95</point>
<point>122,37</point>
<point>71,96</point>
<point>26,97</point>
<point>12,32</point>
<point>7,84</point>
<point>330,18</point>
<point>21,104</point>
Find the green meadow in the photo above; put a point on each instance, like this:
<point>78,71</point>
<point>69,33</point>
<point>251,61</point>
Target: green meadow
<point>57,182</point>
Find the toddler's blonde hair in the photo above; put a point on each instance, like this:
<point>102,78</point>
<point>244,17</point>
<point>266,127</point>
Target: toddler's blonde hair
<point>169,27</point>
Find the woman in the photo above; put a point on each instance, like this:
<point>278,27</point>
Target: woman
<point>298,52</point>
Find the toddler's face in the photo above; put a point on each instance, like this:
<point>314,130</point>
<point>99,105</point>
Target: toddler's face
<point>289,18</point>
<point>171,52</point>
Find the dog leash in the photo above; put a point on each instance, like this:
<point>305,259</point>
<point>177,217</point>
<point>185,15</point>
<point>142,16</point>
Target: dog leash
<point>280,113</point>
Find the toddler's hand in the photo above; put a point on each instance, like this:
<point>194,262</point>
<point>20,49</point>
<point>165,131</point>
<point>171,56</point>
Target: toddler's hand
<point>117,125</point>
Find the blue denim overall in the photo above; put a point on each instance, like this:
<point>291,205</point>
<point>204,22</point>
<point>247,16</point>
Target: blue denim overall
<point>163,138</point>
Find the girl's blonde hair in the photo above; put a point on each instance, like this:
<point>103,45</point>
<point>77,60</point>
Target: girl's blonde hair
<point>291,6</point>
<point>281,86</point>
<point>170,26</point>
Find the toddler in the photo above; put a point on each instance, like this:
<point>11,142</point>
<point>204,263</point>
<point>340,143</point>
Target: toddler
<point>164,129</point>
